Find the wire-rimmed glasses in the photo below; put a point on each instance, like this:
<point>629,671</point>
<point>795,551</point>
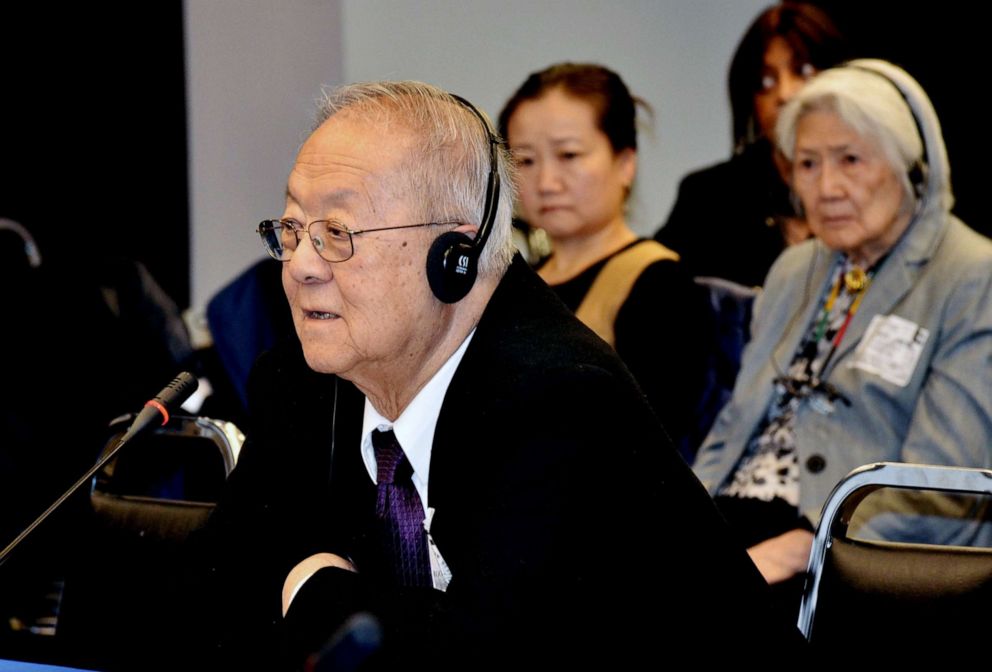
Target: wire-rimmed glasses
<point>332,240</point>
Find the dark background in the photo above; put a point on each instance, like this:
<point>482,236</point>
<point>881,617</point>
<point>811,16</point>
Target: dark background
<point>93,134</point>
<point>93,163</point>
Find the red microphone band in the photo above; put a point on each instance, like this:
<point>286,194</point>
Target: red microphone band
<point>161,409</point>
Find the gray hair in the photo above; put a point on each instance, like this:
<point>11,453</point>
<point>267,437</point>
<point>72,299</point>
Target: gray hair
<point>449,162</point>
<point>867,102</point>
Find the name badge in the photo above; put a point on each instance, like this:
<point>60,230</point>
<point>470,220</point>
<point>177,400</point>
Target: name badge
<point>891,348</point>
<point>440,572</point>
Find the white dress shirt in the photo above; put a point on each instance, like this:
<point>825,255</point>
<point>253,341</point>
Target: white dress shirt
<point>414,430</point>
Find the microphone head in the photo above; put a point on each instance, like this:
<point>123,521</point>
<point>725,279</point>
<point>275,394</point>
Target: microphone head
<point>164,403</point>
<point>178,391</point>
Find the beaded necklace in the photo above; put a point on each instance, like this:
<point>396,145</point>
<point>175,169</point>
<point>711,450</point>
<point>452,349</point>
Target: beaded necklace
<point>856,282</point>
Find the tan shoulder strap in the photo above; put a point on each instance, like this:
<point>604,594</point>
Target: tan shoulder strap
<point>612,286</point>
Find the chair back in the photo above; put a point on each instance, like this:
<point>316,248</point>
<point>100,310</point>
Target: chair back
<point>928,593</point>
<point>732,305</point>
<point>164,485</point>
<point>247,317</point>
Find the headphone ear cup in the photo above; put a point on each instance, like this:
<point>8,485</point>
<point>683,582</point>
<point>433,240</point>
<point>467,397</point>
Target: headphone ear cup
<point>452,266</point>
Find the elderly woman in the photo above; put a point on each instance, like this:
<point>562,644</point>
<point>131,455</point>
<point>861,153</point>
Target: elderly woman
<point>871,342</point>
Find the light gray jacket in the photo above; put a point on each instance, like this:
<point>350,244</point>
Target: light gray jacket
<point>939,277</point>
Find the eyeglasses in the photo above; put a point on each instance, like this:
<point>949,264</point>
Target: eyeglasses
<point>333,241</point>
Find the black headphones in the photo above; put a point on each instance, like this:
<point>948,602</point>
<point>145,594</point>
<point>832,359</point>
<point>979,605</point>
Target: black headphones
<point>453,260</point>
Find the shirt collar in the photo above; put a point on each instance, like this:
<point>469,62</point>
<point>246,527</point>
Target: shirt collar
<point>414,428</point>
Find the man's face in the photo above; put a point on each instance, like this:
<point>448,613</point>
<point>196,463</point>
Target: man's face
<point>372,318</point>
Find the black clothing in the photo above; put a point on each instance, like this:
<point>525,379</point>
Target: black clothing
<point>726,221</point>
<point>664,334</point>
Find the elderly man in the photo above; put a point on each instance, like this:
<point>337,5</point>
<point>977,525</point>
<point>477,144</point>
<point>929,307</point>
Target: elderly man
<point>455,455</point>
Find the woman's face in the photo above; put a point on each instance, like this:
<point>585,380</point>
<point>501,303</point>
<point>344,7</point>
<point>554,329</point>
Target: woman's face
<point>853,199</point>
<point>781,79</point>
<point>570,182</point>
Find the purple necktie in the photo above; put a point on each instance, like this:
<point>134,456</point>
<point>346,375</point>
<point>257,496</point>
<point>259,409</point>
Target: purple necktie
<point>400,514</point>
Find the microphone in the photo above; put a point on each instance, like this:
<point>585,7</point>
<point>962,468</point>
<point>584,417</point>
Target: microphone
<point>171,397</point>
<point>161,405</point>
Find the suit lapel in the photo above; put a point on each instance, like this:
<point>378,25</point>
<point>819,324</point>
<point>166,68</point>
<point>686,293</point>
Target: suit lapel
<point>471,408</point>
<point>454,453</point>
<point>824,262</point>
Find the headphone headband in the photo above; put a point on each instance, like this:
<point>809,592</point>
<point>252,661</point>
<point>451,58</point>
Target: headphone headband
<point>453,260</point>
<point>491,203</point>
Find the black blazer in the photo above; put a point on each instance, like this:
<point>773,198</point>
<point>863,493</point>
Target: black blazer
<point>726,218</point>
<point>560,506</point>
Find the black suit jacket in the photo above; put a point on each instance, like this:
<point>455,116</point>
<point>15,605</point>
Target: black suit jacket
<point>573,530</point>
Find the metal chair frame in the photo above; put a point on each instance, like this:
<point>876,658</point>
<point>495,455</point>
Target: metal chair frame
<point>856,486</point>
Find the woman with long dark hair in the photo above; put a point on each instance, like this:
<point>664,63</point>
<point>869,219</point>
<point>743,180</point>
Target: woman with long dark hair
<point>733,219</point>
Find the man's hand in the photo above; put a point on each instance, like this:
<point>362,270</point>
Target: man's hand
<point>782,557</point>
<point>304,570</point>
